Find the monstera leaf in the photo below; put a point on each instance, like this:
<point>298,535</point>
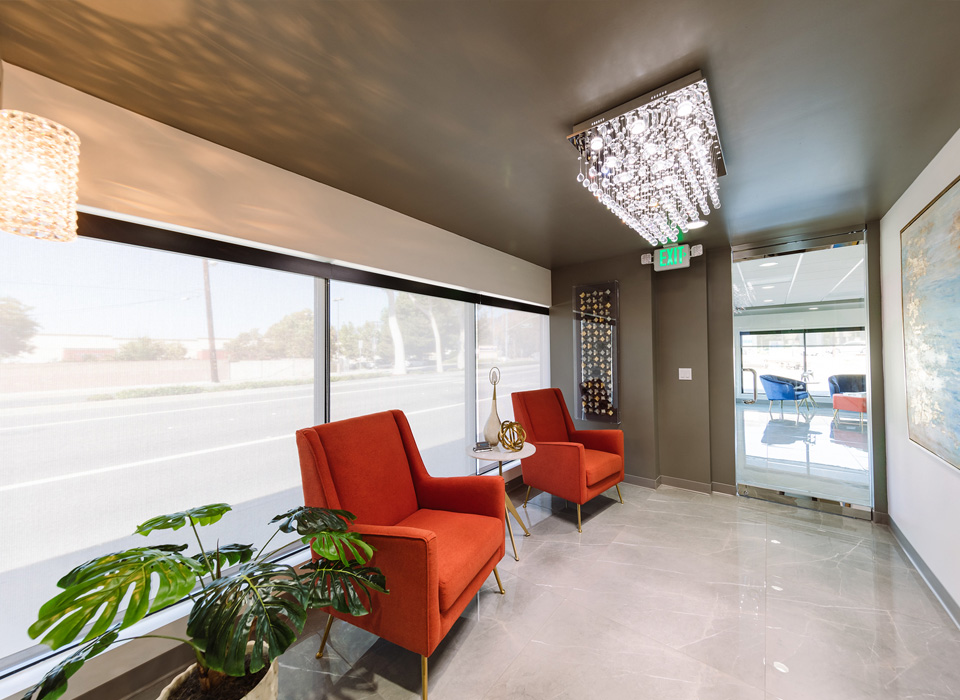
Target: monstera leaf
<point>54,684</point>
<point>261,602</point>
<point>202,515</point>
<point>95,590</point>
<point>227,555</point>
<point>340,546</point>
<point>326,532</point>
<point>312,520</point>
<point>339,586</point>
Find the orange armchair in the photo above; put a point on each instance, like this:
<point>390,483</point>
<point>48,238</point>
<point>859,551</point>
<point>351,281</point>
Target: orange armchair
<point>575,465</point>
<point>436,540</point>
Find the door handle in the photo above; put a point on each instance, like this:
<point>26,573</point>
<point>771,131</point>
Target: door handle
<point>754,373</point>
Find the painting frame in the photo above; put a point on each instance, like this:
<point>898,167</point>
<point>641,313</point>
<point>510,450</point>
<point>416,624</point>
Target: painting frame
<point>930,311</point>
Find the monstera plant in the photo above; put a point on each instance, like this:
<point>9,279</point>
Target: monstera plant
<point>247,610</point>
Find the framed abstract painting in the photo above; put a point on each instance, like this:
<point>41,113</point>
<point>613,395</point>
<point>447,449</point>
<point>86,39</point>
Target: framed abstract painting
<point>930,275</point>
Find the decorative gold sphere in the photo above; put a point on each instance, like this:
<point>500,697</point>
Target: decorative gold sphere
<point>512,436</point>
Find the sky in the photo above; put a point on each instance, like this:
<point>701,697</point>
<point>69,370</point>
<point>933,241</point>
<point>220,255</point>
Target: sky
<point>92,287</point>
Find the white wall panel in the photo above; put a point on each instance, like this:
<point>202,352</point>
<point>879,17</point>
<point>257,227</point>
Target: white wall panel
<point>924,490</point>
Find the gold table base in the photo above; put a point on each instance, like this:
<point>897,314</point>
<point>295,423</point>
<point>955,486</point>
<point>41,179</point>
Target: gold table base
<point>512,509</point>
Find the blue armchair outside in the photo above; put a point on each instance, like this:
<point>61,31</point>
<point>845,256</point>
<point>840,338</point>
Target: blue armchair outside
<point>784,389</point>
<point>845,383</point>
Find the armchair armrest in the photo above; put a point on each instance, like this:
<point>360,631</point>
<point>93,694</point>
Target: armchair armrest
<point>557,467</point>
<point>480,495</point>
<point>602,440</point>
<point>554,452</point>
<point>409,615</point>
<point>417,537</point>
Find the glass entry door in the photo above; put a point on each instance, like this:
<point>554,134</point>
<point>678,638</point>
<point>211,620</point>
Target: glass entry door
<point>800,323</point>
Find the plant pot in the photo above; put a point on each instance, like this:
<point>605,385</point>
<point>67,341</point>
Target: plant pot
<point>266,689</point>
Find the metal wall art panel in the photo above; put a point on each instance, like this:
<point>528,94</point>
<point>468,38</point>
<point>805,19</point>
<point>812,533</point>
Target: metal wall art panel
<point>930,261</point>
<point>596,315</point>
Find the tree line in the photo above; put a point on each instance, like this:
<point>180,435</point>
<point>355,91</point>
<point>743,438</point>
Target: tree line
<point>411,331</point>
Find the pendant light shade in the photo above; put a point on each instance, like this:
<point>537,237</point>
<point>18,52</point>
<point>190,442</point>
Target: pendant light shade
<point>39,161</point>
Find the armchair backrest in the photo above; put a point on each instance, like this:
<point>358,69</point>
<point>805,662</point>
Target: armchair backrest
<point>773,378</point>
<point>363,465</point>
<point>779,388</point>
<point>842,383</point>
<point>543,415</point>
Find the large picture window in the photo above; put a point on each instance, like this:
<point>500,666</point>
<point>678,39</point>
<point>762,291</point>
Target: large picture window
<point>398,350</point>
<point>137,381</point>
<point>515,342</point>
<point>812,355</point>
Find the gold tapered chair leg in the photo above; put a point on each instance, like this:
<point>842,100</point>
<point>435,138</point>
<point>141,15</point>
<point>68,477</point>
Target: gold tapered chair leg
<point>579,529</point>
<point>512,541</point>
<point>326,633</point>
<point>497,574</point>
<point>526,498</point>
<point>423,675</point>
<point>619,495</point>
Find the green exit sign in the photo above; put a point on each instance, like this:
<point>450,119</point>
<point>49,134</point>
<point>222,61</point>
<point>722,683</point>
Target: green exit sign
<point>671,258</point>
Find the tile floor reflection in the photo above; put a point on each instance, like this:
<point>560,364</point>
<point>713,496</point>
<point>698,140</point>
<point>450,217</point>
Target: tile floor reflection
<point>808,454</point>
<point>673,595</point>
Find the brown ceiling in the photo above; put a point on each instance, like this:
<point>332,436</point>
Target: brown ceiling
<point>456,113</point>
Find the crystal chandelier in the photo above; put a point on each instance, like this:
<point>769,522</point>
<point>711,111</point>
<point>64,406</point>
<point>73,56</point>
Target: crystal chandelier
<point>654,161</point>
<point>38,177</point>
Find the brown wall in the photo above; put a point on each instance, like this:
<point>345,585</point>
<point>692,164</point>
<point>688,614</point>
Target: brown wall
<point>683,407</point>
<point>681,431</point>
<point>723,463</point>
<point>636,353</point>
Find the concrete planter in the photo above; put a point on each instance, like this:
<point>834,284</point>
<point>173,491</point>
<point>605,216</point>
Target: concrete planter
<point>266,689</point>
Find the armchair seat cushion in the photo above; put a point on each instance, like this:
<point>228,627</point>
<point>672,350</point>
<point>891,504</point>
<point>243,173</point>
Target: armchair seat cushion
<point>465,543</point>
<point>600,465</point>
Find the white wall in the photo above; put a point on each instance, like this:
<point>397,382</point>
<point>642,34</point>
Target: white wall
<point>924,491</point>
<point>138,167</point>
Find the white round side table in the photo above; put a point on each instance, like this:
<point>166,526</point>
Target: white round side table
<point>500,455</point>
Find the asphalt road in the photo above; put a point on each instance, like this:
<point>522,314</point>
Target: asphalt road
<point>76,478</point>
<point>104,462</point>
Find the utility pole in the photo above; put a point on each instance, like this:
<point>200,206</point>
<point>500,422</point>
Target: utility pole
<point>214,375</point>
<point>337,346</point>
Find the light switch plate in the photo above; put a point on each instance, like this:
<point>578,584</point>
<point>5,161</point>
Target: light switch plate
<point>686,373</point>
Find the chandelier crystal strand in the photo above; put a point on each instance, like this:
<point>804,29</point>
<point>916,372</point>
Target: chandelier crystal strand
<point>654,167</point>
<point>39,164</point>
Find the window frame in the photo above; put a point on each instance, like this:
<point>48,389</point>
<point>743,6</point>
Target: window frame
<point>785,331</point>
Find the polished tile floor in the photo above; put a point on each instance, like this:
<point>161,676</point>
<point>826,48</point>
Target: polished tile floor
<point>674,594</point>
<point>808,454</point>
